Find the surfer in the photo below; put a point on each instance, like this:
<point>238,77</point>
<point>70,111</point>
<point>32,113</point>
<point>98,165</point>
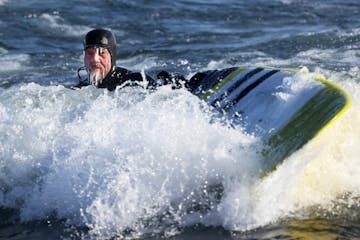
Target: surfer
<point>101,71</point>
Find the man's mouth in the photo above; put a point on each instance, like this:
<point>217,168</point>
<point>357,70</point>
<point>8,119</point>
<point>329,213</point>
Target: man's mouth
<point>94,67</point>
<point>96,74</point>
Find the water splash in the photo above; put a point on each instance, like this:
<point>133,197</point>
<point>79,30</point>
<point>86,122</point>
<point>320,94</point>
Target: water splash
<point>118,161</point>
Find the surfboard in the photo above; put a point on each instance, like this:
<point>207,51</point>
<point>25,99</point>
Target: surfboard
<point>285,108</point>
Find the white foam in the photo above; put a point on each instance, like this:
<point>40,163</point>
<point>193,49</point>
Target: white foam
<point>139,63</point>
<point>11,62</point>
<point>122,160</point>
<point>57,23</point>
<point>114,161</point>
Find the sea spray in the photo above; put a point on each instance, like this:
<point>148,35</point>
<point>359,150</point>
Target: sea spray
<point>132,162</point>
<point>123,161</point>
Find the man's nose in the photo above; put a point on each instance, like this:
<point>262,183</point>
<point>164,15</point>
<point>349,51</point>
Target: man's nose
<point>95,57</point>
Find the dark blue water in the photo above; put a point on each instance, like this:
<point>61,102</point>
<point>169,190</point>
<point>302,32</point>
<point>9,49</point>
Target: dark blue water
<point>90,164</point>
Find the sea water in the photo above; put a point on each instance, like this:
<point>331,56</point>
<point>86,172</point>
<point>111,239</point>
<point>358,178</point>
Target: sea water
<point>93,164</point>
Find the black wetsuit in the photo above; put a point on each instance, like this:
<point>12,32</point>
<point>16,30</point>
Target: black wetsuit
<point>123,77</point>
<point>119,77</point>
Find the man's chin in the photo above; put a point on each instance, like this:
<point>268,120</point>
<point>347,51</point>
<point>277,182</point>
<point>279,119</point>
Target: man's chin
<point>96,77</point>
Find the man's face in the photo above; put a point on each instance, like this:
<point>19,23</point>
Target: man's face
<point>98,63</point>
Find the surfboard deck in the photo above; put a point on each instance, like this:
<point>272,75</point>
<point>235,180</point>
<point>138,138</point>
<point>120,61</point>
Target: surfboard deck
<point>285,108</point>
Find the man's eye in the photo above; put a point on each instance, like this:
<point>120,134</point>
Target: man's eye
<point>89,51</point>
<point>93,51</point>
<point>101,51</point>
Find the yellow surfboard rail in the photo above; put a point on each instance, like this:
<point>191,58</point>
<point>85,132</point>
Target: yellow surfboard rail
<point>317,114</point>
<point>347,105</point>
<point>280,139</point>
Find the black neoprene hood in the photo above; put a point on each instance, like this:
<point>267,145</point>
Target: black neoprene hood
<point>102,38</point>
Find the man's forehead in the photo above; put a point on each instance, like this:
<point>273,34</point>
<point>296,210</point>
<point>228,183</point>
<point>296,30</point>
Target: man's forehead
<point>95,49</point>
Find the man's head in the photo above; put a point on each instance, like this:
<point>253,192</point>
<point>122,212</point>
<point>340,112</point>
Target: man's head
<point>100,54</point>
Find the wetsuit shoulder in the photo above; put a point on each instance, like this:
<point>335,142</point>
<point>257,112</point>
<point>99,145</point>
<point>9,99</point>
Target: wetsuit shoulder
<point>123,77</point>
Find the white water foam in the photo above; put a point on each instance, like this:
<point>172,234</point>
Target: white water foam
<point>156,162</point>
<point>11,62</point>
<point>114,161</point>
<point>139,62</point>
<point>58,24</point>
